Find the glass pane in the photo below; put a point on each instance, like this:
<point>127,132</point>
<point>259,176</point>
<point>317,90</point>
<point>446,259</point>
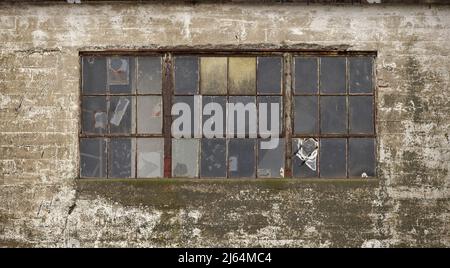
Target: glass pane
<point>304,157</point>
<point>332,158</point>
<point>120,73</point>
<point>186,75</point>
<point>94,115</point>
<point>213,158</point>
<point>269,113</point>
<point>121,114</point>
<point>333,115</point>
<point>305,115</point>
<point>360,74</point>
<point>213,73</point>
<point>332,75</point>
<point>149,77</point>
<point>361,157</point>
<point>361,114</point>
<point>305,78</point>
<point>270,161</point>
<point>149,116</point>
<point>241,158</point>
<point>94,75</point>
<point>242,75</point>
<point>242,119</point>
<point>121,155</point>
<point>185,154</point>
<point>269,75</point>
<point>150,153</point>
<point>93,158</point>
<point>181,122</point>
<point>213,115</point>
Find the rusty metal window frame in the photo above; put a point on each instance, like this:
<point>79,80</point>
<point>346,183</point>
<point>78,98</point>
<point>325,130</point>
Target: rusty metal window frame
<point>287,96</point>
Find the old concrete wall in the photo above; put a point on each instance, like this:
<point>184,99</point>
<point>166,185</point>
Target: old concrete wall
<point>43,204</point>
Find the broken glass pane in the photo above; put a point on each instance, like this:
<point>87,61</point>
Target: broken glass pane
<point>94,118</point>
<point>333,115</point>
<point>121,114</point>
<point>180,121</point>
<point>213,114</point>
<point>93,158</point>
<point>185,154</point>
<point>269,75</point>
<point>241,158</point>
<point>305,78</point>
<point>305,117</point>
<point>121,158</point>
<point>94,75</point>
<point>120,73</point>
<point>213,73</point>
<point>149,116</point>
<point>332,75</point>
<point>304,157</point>
<point>361,157</point>
<point>213,158</point>
<point>242,75</point>
<point>243,118</point>
<point>361,114</point>
<point>360,74</point>
<point>150,155</point>
<point>186,75</point>
<point>269,101</point>
<point>149,77</point>
<point>333,158</point>
<point>270,161</point>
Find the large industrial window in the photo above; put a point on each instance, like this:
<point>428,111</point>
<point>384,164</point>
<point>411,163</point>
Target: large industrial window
<point>130,123</point>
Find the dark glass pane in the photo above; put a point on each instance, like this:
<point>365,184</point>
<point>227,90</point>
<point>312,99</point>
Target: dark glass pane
<point>333,115</point>
<point>213,158</point>
<point>269,101</point>
<point>244,115</point>
<point>269,75</point>
<point>305,76</point>
<point>361,157</point>
<point>241,158</point>
<point>360,74</point>
<point>185,154</point>
<point>210,121</point>
<point>361,114</point>
<point>121,158</point>
<point>332,158</point>
<point>120,74</point>
<point>304,158</point>
<point>94,118</point>
<point>93,158</point>
<point>149,78</point>
<point>94,75</point>
<point>186,75</point>
<point>332,75</point>
<point>121,114</point>
<point>270,161</point>
<point>305,115</point>
<point>150,152</point>
<point>181,122</point>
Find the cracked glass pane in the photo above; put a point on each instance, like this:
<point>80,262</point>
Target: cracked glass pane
<point>149,115</point>
<point>332,75</point>
<point>212,115</point>
<point>361,157</point>
<point>121,115</point>
<point>360,69</point>
<point>185,154</point>
<point>213,158</point>
<point>186,75</point>
<point>150,157</point>
<point>304,157</point>
<point>121,158</point>
<point>305,117</point>
<point>93,158</point>
<point>93,116</point>
<point>213,73</point>
<point>120,74</point>
<point>94,75</point>
<point>242,75</point>
<point>306,81</point>
<point>333,157</point>
<point>270,161</point>
<point>269,75</point>
<point>333,115</point>
<point>149,75</point>
<point>361,114</point>
<point>241,158</point>
<point>269,101</point>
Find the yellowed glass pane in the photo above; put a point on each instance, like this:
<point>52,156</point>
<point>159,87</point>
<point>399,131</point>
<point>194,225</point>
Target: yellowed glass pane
<point>242,75</point>
<point>213,75</point>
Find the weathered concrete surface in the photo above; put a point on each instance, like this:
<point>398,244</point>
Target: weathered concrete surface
<point>42,203</point>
